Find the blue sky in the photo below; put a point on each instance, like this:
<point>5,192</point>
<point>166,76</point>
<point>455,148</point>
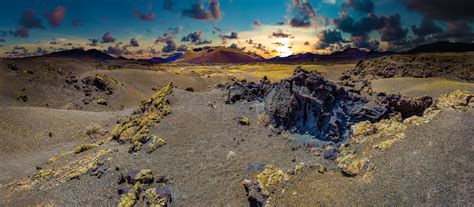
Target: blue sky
<point>304,29</point>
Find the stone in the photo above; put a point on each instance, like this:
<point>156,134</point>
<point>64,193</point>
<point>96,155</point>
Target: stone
<point>142,176</point>
<point>308,104</point>
<point>244,120</point>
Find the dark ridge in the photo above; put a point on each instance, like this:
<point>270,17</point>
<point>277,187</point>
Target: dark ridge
<point>169,59</point>
<point>80,53</point>
<point>443,47</point>
<point>349,54</point>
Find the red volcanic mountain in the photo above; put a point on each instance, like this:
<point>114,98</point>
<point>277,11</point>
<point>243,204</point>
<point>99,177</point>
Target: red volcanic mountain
<point>218,55</point>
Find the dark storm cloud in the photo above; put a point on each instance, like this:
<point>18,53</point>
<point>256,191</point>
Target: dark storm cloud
<point>118,49</point>
<point>232,35</point>
<point>192,37</point>
<point>390,28</point>
<point>303,14</point>
<point>134,42</point>
<point>448,10</point>
<point>203,42</point>
<point>393,33</point>
<point>23,52</point>
<point>93,42</point>
<point>329,37</point>
<point>235,46</point>
<point>364,42</point>
<point>107,38</point>
<point>427,27</point>
<point>361,27</point>
<point>428,31</point>
<point>165,37</point>
<point>56,17</point>
<point>364,6</point>
<point>21,32</point>
<point>147,15</point>
<point>198,11</point>
<point>29,20</point>
<point>170,46</point>
<point>280,34</point>
<point>257,23</point>
<point>459,14</point>
<point>278,44</point>
<point>294,22</point>
<point>260,47</point>
<point>459,30</point>
<point>17,52</point>
<point>195,38</point>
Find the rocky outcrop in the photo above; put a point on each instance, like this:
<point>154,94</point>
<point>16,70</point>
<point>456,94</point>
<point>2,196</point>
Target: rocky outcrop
<point>307,103</point>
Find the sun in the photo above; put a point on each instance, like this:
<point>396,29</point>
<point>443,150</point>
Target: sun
<point>284,51</point>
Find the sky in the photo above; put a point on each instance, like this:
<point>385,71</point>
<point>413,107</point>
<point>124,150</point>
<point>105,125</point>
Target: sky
<point>151,28</point>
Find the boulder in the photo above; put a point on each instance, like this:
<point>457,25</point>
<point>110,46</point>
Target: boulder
<point>307,103</point>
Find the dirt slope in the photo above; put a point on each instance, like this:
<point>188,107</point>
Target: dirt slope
<point>432,166</point>
<point>218,55</point>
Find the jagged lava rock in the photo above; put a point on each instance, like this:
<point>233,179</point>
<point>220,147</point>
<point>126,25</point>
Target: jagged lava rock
<point>307,103</point>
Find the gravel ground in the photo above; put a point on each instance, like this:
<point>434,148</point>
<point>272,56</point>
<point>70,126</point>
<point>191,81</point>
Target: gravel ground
<point>432,166</point>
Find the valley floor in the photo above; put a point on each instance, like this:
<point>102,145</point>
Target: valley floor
<point>208,153</point>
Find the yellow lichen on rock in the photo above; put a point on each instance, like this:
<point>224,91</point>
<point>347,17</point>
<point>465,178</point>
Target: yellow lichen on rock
<point>264,119</point>
<point>391,128</point>
<point>79,149</point>
<point>47,177</point>
<point>244,120</point>
<point>135,130</point>
<point>428,115</point>
<point>155,143</point>
<point>457,100</point>
<point>270,178</point>
<point>153,199</point>
<point>101,101</point>
<point>352,166</point>
<point>132,196</point>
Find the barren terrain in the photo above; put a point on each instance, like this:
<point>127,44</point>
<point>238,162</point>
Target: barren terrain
<point>204,151</point>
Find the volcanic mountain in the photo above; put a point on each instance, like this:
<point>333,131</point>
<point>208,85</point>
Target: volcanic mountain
<point>349,54</point>
<point>80,53</point>
<point>218,55</point>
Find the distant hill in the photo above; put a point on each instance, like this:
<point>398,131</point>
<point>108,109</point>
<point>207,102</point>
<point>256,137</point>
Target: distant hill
<point>168,59</point>
<point>443,47</point>
<point>218,55</point>
<point>349,54</point>
<point>80,53</point>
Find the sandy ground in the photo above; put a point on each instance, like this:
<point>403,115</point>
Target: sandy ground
<point>416,87</point>
<point>25,140</point>
<point>432,166</point>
